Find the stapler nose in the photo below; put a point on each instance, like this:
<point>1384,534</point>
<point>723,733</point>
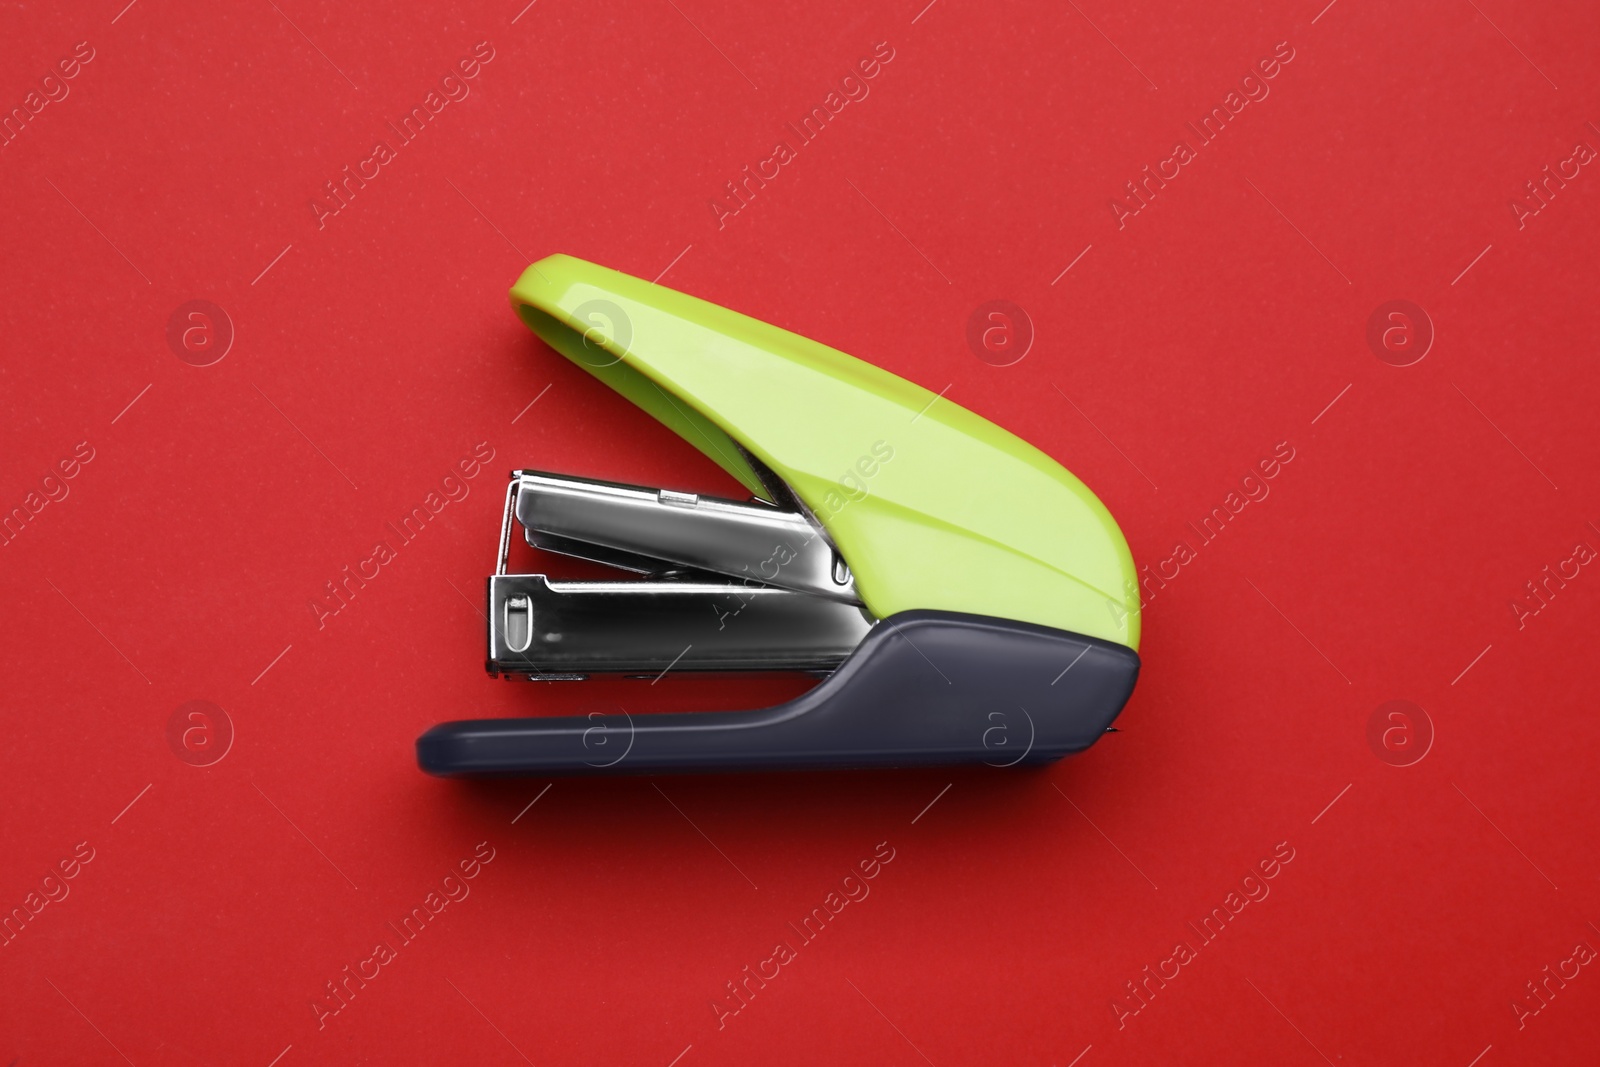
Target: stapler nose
<point>707,602</point>
<point>966,599</point>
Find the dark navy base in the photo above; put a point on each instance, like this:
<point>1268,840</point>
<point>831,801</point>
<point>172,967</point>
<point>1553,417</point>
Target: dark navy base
<point>923,688</point>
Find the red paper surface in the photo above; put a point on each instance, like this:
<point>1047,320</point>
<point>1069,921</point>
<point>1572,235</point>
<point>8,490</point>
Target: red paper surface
<point>1425,869</point>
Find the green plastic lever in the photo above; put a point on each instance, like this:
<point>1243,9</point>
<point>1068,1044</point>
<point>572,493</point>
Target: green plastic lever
<point>933,506</point>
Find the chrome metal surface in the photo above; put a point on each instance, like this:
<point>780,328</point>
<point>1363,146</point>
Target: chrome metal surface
<point>505,525</point>
<point>639,529</point>
<point>544,629</point>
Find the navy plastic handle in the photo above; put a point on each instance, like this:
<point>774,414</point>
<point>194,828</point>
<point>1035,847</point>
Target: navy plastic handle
<point>923,688</point>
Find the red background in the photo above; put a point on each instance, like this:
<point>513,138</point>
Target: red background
<point>379,349</point>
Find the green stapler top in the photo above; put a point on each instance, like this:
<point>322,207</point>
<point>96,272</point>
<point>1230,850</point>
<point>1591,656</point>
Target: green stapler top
<point>965,517</point>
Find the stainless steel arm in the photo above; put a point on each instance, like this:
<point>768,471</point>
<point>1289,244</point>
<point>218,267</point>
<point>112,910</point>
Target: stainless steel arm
<point>733,586</point>
<point>638,529</point>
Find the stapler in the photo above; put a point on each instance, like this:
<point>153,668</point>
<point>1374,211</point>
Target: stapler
<point>963,597</point>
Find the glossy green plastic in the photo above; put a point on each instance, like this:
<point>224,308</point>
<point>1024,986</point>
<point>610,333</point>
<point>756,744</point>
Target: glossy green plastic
<point>933,506</point>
